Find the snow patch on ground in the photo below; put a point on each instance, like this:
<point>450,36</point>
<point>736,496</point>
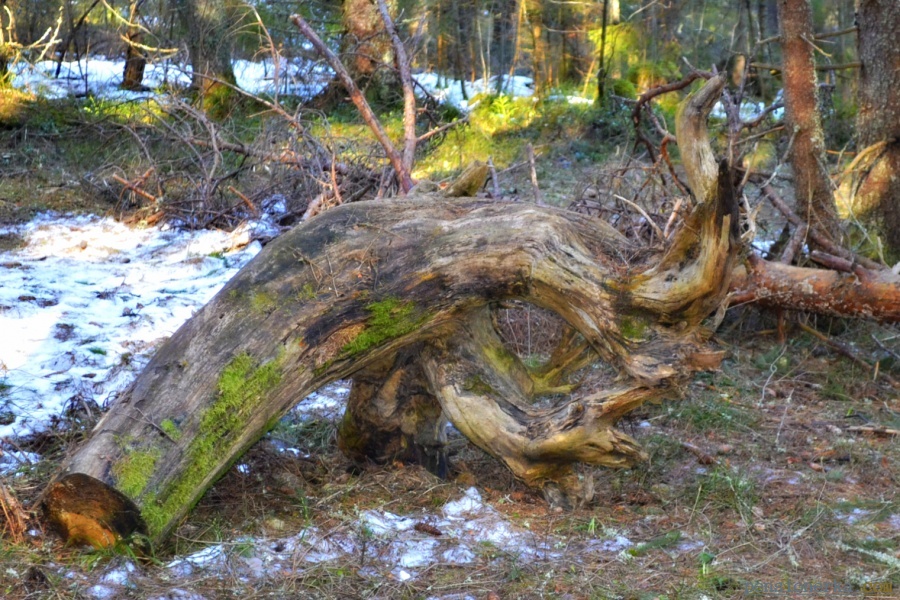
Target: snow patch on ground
<point>85,302</point>
<point>450,91</point>
<point>102,77</point>
<point>386,544</point>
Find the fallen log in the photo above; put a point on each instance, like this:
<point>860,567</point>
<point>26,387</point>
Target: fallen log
<point>862,293</point>
<point>398,295</point>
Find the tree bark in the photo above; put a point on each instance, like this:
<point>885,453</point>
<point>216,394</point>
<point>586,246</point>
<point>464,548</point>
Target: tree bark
<point>351,291</point>
<point>877,184</point>
<point>812,187</point>
<point>859,293</point>
<point>369,51</point>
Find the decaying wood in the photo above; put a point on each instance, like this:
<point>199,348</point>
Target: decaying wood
<point>14,518</point>
<point>860,294</point>
<point>398,295</point>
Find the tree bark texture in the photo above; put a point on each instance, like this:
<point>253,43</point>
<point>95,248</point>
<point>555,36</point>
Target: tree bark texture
<point>397,294</point>
<point>877,185</point>
<point>860,293</point>
<point>368,51</point>
<point>812,188</point>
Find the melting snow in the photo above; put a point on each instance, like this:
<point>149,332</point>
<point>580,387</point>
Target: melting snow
<point>86,300</point>
<point>102,77</point>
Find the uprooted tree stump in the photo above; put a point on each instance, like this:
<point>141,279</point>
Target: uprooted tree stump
<point>398,296</point>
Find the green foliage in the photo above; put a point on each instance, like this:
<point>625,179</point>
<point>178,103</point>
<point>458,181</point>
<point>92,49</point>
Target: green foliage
<point>729,489</point>
<point>623,88</point>
<point>646,75</point>
<point>712,413</point>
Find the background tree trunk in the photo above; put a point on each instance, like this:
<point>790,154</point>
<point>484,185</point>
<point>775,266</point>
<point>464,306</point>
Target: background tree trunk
<point>877,198</point>
<point>208,26</point>
<point>812,187</point>
<point>368,51</point>
<point>135,57</point>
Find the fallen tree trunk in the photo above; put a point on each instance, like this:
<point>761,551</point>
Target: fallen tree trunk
<point>857,293</point>
<point>397,294</point>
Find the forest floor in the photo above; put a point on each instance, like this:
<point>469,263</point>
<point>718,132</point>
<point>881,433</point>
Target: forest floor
<point>781,468</point>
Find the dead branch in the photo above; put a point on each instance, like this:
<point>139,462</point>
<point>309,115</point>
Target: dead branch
<point>538,197</point>
<point>838,67</point>
<point>409,97</point>
<point>653,93</point>
<point>846,351</point>
<point>868,294</point>
<point>358,99</point>
<point>134,187</point>
<point>439,130</point>
<point>247,202</point>
<point>495,183</point>
<point>817,237</point>
<point>794,245</point>
<point>13,515</point>
<point>873,429</point>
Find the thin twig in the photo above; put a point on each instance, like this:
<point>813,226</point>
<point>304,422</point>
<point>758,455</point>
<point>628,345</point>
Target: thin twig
<point>843,349</point>
<point>495,183</point>
<point>538,197</point>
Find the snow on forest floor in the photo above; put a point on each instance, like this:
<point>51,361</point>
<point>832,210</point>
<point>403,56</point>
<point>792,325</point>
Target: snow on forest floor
<point>101,77</point>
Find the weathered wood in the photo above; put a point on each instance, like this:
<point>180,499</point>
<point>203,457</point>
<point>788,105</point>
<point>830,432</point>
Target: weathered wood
<point>352,290</point>
<point>859,294</point>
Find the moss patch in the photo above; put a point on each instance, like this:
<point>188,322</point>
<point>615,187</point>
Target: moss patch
<point>633,329</point>
<point>262,302</point>
<point>171,429</point>
<point>388,319</point>
<point>242,387</point>
<point>477,385</point>
<point>134,470</point>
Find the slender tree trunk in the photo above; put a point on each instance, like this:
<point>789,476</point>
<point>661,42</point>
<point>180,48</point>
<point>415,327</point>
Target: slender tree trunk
<point>7,37</point>
<point>877,198</point>
<point>135,57</point>
<point>208,32</point>
<point>534,12</point>
<point>812,187</point>
<point>368,51</point>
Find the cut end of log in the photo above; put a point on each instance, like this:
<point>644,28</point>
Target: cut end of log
<point>84,510</point>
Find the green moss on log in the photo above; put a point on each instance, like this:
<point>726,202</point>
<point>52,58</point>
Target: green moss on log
<point>262,302</point>
<point>388,319</point>
<point>477,385</point>
<point>171,429</point>
<point>242,387</point>
<point>133,471</point>
<point>633,329</point>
